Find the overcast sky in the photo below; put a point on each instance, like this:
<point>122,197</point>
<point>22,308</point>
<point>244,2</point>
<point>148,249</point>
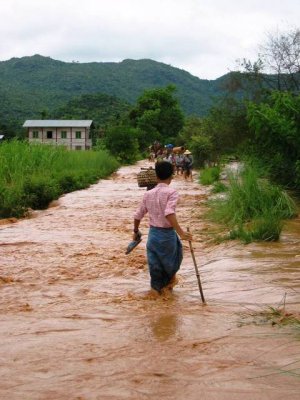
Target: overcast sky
<point>203,37</point>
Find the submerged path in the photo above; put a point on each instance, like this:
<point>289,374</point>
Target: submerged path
<point>77,320</point>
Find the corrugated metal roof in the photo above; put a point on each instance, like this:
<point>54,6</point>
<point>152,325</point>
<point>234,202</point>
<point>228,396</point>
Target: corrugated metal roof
<point>57,123</point>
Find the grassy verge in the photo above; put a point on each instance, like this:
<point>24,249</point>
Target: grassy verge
<point>31,176</point>
<point>253,208</point>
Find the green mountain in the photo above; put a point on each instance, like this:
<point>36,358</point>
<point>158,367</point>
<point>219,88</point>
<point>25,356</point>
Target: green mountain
<point>31,86</point>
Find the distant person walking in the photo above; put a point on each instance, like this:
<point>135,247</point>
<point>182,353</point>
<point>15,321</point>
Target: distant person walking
<point>178,163</point>
<point>187,165</point>
<point>164,248</point>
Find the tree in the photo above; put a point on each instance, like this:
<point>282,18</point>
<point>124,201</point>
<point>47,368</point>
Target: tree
<point>278,63</point>
<point>281,56</point>
<point>122,142</point>
<point>193,137</point>
<point>158,115</point>
<point>227,126</point>
<point>276,126</point>
<point>192,127</point>
<point>202,149</point>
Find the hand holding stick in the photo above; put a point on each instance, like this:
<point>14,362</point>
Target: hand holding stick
<point>197,271</point>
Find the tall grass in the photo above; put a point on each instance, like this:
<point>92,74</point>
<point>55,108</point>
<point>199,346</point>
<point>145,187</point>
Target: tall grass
<point>253,208</point>
<point>31,176</point>
<point>209,175</point>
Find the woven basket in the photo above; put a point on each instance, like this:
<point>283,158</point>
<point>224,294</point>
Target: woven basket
<point>146,177</point>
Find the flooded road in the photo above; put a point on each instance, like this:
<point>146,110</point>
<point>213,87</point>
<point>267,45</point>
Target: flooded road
<point>77,320</point>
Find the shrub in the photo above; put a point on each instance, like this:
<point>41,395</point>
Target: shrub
<point>39,191</point>
<point>11,202</point>
<point>67,183</point>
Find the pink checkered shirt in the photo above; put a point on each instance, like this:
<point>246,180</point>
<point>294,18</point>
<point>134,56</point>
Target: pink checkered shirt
<point>158,202</point>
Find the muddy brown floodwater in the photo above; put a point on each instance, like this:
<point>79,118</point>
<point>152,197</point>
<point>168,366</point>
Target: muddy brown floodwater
<point>77,320</point>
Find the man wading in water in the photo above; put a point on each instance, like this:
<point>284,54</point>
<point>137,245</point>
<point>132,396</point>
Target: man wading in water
<point>164,248</point>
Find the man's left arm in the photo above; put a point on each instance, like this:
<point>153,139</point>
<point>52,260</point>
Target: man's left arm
<point>170,214</point>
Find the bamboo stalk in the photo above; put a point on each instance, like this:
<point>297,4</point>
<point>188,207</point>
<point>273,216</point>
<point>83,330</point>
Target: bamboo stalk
<point>197,271</point>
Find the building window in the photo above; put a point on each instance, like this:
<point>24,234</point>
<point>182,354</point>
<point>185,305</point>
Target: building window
<point>77,147</point>
<point>49,134</point>
<point>35,134</point>
<point>88,147</point>
<point>63,134</point>
<point>78,134</point>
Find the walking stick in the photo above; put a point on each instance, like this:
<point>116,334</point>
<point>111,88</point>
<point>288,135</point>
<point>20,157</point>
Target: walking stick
<point>197,271</point>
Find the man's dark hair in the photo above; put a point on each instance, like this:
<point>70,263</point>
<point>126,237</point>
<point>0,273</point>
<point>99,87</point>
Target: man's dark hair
<point>163,170</point>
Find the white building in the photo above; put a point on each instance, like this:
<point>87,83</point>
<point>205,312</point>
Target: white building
<point>73,134</point>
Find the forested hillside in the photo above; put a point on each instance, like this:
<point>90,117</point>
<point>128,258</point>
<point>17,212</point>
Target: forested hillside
<point>101,108</point>
<point>33,86</point>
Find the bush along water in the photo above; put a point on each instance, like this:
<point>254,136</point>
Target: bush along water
<point>31,176</point>
<point>253,208</point>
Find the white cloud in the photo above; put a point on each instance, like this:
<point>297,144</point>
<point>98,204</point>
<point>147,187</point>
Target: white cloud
<point>205,38</point>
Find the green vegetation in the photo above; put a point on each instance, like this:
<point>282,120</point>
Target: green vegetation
<point>253,208</point>
<point>31,176</point>
<point>219,187</point>
<point>209,175</point>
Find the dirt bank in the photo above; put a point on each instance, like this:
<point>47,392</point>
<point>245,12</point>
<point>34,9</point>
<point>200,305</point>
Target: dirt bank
<point>77,321</point>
